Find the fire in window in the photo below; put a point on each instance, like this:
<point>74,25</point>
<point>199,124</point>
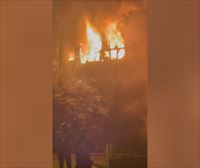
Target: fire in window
<point>92,49</point>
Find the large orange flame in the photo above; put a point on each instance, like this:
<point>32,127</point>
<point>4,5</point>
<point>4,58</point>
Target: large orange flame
<point>115,41</point>
<point>93,47</point>
<point>90,50</point>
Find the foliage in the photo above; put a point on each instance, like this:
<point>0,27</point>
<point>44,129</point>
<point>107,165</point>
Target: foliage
<point>77,101</point>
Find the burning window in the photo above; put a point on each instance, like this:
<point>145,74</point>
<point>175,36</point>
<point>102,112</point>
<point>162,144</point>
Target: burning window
<point>92,50</point>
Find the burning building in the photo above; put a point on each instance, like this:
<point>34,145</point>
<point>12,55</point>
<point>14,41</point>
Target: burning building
<point>103,43</point>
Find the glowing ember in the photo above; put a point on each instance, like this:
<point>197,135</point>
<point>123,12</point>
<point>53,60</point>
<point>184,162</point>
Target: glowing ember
<point>71,56</point>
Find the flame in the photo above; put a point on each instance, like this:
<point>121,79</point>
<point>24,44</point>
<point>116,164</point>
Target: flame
<point>91,51</point>
<point>115,41</point>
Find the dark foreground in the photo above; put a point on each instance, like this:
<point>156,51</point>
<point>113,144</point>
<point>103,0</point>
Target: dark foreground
<point>100,161</point>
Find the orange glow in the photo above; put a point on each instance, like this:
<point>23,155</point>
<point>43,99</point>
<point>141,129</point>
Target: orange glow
<point>91,51</point>
<point>91,47</point>
<point>115,41</point>
<point>71,56</point>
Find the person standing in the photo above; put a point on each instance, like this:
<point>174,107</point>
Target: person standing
<point>64,146</point>
<point>83,151</point>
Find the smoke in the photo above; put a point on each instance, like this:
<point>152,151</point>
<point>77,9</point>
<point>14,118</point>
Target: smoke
<point>69,16</point>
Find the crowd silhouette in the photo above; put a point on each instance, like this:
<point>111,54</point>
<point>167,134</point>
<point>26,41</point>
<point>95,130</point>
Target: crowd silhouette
<point>65,146</point>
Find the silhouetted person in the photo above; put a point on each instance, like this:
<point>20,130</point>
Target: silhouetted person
<point>64,146</point>
<point>83,151</point>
